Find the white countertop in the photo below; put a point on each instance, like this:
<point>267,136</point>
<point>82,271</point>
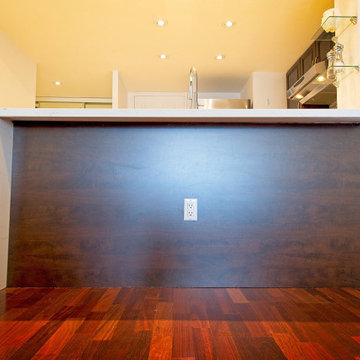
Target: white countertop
<point>186,115</point>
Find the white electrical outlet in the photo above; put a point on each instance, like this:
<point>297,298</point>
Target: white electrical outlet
<point>190,209</point>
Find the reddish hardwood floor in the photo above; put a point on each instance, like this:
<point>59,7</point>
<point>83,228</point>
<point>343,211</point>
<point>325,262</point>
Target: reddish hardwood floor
<point>179,323</point>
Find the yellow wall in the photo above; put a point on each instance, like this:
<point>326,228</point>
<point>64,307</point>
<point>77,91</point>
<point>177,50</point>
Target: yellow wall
<point>17,89</point>
<point>17,75</point>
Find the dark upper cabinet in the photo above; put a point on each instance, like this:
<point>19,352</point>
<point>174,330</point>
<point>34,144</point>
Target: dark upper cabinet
<point>291,77</point>
<point>322,48</point>
<point>315,53</point>
<point>293,74</point>
<point>308,59</point>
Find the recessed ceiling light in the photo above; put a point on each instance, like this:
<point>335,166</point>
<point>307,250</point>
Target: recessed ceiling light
<point>163,56</point>
<point>229,23</point>
<point>220,57</point>
<point>321,78</point>
<point>161,22</point>
<point>58,83</point>
<point>299,96</point>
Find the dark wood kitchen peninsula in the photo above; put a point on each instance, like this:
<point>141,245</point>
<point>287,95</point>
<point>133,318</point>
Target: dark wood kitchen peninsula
<point>99,202</point>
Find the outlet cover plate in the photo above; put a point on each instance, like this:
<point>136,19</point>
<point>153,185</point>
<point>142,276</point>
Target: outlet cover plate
<point>190,209</point>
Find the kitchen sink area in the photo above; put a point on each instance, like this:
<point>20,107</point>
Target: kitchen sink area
<point>208,104</point>
<point>211,103</point>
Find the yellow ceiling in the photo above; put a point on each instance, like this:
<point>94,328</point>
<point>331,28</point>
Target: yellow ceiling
<point>79,42</point>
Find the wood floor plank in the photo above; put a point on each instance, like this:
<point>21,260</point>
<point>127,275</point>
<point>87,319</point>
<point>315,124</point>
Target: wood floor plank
<point>220,328</point>
<point>290,347</point>
<point>317,333</point>
<point>256,328</point>
<point>77,344</point>
<point>15,333</point>
<point>56,300</point>
<point>105,330</point>
<point>51,349</point>
<point>204,344</point>
<point>183,340</point>
<point>139,347</point>
<point>78,297</point>
<point>225,346</point>
<point>314,351</point>
<point>259,348</point>
<point>162,335</point>
<point>30,347</point>
<point>236,295</point>
<point>179,324</point>
<point>106,300</point>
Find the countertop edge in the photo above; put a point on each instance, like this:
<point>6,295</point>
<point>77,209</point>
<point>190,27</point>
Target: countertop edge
<point>294,116</point>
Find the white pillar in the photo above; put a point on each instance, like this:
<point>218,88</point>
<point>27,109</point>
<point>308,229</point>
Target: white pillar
<point>119,92</point>
<point>115,89</point>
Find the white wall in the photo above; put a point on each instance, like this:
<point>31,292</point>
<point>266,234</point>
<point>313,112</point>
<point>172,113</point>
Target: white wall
<point>219,95</point>
<point>348,96</point>
<point>157,100</point>
<point>266,90</point>
<point>6,143</point>
<point>247,91</point>
<point>17,75</point>
<point>171,100</point>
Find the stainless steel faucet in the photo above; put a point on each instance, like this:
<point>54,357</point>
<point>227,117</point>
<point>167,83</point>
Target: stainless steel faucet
<point>193,91</point>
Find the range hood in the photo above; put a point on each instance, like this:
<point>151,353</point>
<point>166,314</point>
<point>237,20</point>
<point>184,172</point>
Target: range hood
<point>310,84</point>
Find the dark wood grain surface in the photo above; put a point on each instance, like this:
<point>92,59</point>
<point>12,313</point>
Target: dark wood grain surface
<point>102,205</point>
<point>179,324</point>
